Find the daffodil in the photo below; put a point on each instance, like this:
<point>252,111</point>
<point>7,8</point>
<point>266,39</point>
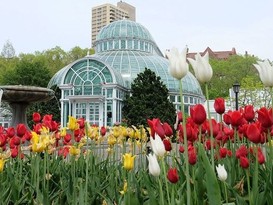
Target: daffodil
<point>202,69</point>
<point>221,171</point>
<point>158,146</point>
<point>266,72</point>
<point>178,67</point>
<point>153,166</point>
<point>128,161</point>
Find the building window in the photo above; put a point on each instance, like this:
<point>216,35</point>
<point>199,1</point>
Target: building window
<point>123,45</point>
<point>116,42</point>
<point>136,44</point>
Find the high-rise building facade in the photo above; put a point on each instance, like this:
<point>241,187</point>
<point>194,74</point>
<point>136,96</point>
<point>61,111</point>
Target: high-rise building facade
<point>107,13</point>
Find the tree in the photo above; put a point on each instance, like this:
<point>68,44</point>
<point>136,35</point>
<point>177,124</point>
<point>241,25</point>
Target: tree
<point>148,99</point>
<point>33,72</point>
<point>227,72</point>
<point>8,51</point>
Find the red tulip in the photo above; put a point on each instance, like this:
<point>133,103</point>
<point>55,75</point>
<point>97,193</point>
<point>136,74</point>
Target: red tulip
<point>236,118</point>
<point>167,129</point>
<point>64,151</point>
<point>27,136</point>
<point>227,117</point>
<point>67,138</point>
<point>223,152</point>
<point>172,175</point>
<point>261,158</point>
<point>10,132</point>
<point>167,144</point>
<point>156,127</point>
<point>249,113</point>
<point>265,117</point>
<point>181,149</point>
<point>192,132</point>
<point>219,105</point>
<point>253,133</point>
<point>81,122</point>
<point>14,152</point>
<point>21,130</point>
<point>14,141</point>
<point>103,131</point>
<point>47,118</point>
<point>192,155</point>
<point>3,140</point>
<point>36,117</point>
<point>54,126</point>
<point>76,132</point>
<point>198,114</point>
<point>37,128</point>
<point>244,162</point>
<point>215,127</point>
<point>242,151</point>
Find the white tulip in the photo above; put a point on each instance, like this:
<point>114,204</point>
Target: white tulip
<point>154,168</point>
<point>222,173</point>
<point>157,145</point>
<point>178,67</point>
<point>266,72</point>
<point>202,69</point>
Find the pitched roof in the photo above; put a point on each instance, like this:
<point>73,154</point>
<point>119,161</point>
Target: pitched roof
<point>220,55</point>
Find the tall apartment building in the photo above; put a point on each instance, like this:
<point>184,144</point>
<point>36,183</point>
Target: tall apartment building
<point>107,13</point>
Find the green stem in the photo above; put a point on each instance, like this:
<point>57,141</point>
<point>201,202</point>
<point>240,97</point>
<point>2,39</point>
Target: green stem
<point>226,194</point>
<point>165,176</point>
<point>248,187</point>
<point>210,126</point>
<point>161,192</point>
<point>186,145</point>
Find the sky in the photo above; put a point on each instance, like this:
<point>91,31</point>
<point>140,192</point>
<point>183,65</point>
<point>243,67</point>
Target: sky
<point>246,25</point>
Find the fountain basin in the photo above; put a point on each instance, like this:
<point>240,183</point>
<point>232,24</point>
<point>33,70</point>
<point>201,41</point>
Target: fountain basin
<point>19,97</point>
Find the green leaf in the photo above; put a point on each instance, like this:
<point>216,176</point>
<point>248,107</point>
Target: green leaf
<point>213,189</point>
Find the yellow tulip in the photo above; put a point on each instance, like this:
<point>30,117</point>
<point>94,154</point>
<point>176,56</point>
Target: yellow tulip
<point>74,151</point>
<point>112,140</point>
<point>72,123</point>
<point>2,164</point>
<point>63,132</point>
<point>128,161</point>
<point>125,185</point>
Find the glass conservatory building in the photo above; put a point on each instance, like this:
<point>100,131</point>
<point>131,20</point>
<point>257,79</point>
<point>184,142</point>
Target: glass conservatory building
<point>94,87</point>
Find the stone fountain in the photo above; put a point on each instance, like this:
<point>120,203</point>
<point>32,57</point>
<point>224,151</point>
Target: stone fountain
<point>19,97</point>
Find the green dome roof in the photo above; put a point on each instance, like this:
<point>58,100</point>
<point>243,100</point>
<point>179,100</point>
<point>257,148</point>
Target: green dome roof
<point>124,29</point>
<point>126,35</point>
<point>123,50</point>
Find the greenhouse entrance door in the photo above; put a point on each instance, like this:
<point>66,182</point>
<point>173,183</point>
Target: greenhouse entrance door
<point>90,111</point>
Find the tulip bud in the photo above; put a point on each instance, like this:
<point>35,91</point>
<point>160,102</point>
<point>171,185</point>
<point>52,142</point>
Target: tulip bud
<point>172,175</point>
<point>157,146</point>
<point>222,173</point>
<point>36,117</point>
<point>2,164</point>
<point>128,161</point>
<point>21,130</point>
<point>103,131</point>
<point>202,69</point>
<point>154,168</point>
<point>266,72</point>
<point>178,63</point>
<point>219,105</point>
